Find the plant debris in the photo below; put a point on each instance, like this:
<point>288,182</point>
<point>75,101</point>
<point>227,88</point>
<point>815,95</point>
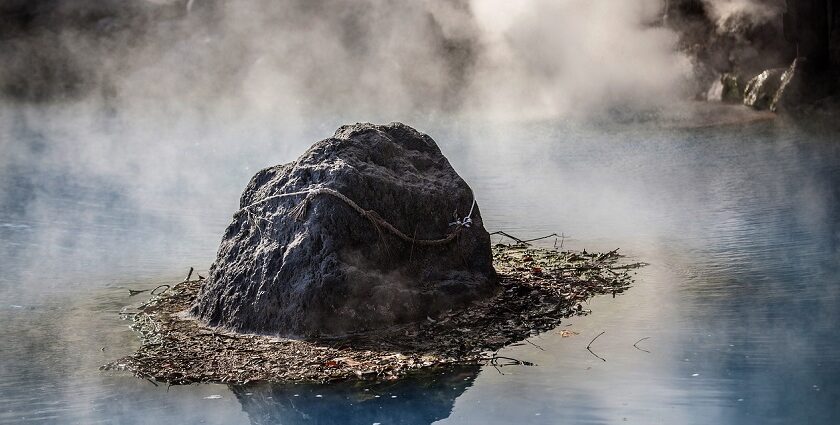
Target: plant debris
<point>539,287</point>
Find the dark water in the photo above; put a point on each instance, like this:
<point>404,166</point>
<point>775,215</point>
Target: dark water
<point>740,305</point>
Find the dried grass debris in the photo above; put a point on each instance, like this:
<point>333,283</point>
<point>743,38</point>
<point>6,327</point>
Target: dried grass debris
<point>539,287</point>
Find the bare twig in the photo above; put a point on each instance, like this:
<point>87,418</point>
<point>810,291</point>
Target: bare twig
<point>589,346</point>
<point>519,241</point>
<point>495,360</point>
<point>596,337</point>
<point>524,241</point>
<point>133,292</point>
<point>155,291</point>
<point>607,255</point>
<point>562,238</point>
<point>189,275</point>
<point>630,266</point>
<point>413,238</point>
<point>637,347</point>
<point>541,238</point>
<point>535,345</point>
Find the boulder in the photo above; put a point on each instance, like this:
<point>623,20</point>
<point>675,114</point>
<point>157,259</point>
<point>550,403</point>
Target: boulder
<point>731,88</point>
<point>726,89</point>
<point>762,88</point>
<point>390,235</point>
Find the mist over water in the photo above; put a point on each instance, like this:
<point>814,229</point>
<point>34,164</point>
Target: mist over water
<point>165,109</point>
<point>127,135</point>
<point>739,224</point>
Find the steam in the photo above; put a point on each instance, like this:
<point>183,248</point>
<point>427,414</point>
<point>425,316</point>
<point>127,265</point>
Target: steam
<point>296,59</point>
<point>154,94</point>
<point>726,12</point>
<point>167,108</point>
<point>573,58</point>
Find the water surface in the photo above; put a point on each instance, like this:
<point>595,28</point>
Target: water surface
<point>741,226</point>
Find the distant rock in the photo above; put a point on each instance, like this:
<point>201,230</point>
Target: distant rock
<point>762,88</point>
<point>789,95</point>
<point>336,272</point>
<point>721,38</point>
<point>813,26</point>
<point>726,89</point>
<point>731,92</point>
<point>778,89</point>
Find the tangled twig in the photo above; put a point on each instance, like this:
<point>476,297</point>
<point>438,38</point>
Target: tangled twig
<point>589,346</point>
<point>637,347</point>
<point>300,210</point>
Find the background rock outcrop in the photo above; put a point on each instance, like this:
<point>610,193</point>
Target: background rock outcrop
<point>336,272</point>
<point>813,26</point>
<point>756,40</point>
<point>762,89</point>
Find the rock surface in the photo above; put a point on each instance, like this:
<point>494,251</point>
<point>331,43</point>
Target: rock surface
<point>790,92</point>
<point>762,88</point>
<point>726,89</point>
<point>814,27</point>
<point>334,272</point>
<point>746,38</point>
<point>731,91</point>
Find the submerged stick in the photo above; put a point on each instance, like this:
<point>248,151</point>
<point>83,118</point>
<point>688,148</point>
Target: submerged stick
<point>514,362</point>
<point>524,241</point>
<point>541,238</point>
<point>528,241</point>
<point>535,345</point>
<point>507,235</point>
<point>630,266</point>
<point>588,346</point>
<point>562,239</point>
<point>637,347</point>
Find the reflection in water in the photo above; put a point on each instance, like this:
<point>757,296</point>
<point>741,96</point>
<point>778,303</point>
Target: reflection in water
<point>420,399</point>
<point>741,226</point>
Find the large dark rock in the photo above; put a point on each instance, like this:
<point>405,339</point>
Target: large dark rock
<point>335,272</point>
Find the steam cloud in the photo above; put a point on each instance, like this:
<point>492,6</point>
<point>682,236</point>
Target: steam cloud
<point>142,91</point>
<point>177,103</point>
<point>754,11</point>
<point>374,57</point>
